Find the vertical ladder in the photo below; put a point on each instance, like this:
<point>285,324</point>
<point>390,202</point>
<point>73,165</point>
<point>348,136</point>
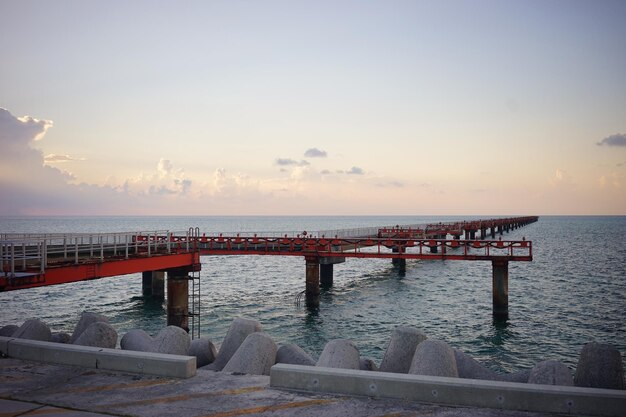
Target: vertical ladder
<point>194,293</point>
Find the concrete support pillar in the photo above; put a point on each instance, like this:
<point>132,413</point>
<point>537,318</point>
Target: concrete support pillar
<point>472,234</point>
<point>153,284</point>
<point>158,284</point>
<point>326,275</point>
<point>312,289</point>
<point>500,287</point>
<point>146,283</point>
<point>501,229</point>
<point>493,231</point>
<point>178,298</point>
<point>483,234</point>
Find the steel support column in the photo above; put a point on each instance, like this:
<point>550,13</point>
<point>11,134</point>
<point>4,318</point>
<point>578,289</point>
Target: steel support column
<point>500,287</point>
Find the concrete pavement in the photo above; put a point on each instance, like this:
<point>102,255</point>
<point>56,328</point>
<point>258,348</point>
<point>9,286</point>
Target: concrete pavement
<point>35,388</point>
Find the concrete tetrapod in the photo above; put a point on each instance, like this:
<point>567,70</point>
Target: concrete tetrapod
<point>599,366</point>
<point>434,358</point>
<point>255,356</point>
<point>98,334</point>
<point>86,319</point>
<point>60,337</point>
<point>367,364</point>
<point>551,372</point>
<point>401,348</point>
<point>294,355</point>
<point>470,368</point>
<point>238,331</point>
<point>33,329</point>
<point>137,340</point>
<point>204,351</point>
<point>8,330</point>
<point>172,340</point>
<point>340,353</point>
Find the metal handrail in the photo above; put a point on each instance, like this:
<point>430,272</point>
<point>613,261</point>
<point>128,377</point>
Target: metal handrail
<point>21,252</point>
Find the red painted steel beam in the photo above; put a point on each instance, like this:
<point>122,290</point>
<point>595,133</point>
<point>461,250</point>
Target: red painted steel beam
<point>64,274</point>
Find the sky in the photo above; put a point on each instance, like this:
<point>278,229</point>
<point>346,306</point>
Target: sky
<point>312,108</point>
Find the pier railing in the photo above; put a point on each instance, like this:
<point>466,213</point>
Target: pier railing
<point>20,252</point>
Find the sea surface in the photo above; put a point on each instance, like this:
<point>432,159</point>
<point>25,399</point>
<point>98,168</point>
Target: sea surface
<point>573,291</point>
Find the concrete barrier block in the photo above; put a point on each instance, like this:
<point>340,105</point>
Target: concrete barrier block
<point>50,352</point>
<point>4,345</point>
<point>150,363</point>
<point>176,366</point>
<point>451,391</point>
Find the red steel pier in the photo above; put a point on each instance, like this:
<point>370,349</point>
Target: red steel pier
<point>35,260</point>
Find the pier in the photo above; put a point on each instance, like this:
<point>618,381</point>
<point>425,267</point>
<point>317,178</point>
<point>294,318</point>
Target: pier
<point>35,260</point>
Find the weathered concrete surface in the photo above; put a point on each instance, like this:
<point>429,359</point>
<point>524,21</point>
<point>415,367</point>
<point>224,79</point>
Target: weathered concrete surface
<point>401,348</point>
<point>551,372</point>
<point>600,366</point>
<point>368,364</point>
<point>33,329</point>
<point>340,353</point>
<point>434,358</point>
<point>98,334</point>
<point>206,394</point>
<point>451,391</point>
<point>204,351</point>
<point>294,355</point>
<point>99,358</point>
<point>255,356</point>
<point>8,330</point>
<point>60,337</point>
<point>87,318</point>
<point>470,368</point>
<point>239,329</point>
<point>171,340</point>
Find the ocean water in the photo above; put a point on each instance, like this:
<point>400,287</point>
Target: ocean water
<point>573,291</point>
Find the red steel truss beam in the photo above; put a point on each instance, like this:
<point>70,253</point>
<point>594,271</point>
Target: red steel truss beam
<point>464,250</point>
<point>65,273</point>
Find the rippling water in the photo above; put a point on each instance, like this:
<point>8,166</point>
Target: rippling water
<point>571,293</point>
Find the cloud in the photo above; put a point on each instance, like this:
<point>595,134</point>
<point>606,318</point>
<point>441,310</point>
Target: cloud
<point>390,184</point>
<point>290,162</point>
<point>166,180</point>
<point>315,153</point>
<point>54,158</point>
<point>561,178</point>
<point>613,179</point>
<point>619,139</point>
<point>355,171</point>
<point>325,172</point>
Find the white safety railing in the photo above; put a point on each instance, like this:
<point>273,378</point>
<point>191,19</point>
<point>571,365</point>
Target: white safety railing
<point>32,253</point>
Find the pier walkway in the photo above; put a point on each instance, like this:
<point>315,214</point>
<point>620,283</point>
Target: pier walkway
<point>35,260</point>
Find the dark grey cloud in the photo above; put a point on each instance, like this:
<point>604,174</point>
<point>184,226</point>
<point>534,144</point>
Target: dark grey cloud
<point>355,171</point>
<point>618,139</point>
<point>315,153</point>
<point>290,162</point>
